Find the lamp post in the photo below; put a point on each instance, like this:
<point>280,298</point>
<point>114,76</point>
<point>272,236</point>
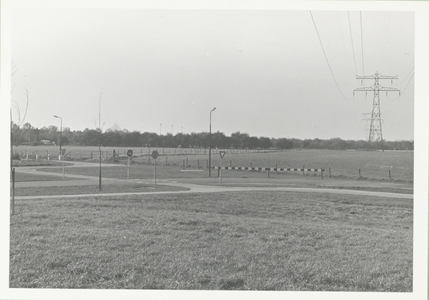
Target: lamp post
<point>61,133</point>
<point>210,142</point>
<point>99,142</point>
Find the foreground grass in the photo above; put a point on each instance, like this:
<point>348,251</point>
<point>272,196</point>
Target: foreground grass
<point>240,241</point>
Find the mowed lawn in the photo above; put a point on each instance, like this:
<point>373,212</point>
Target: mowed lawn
<point>228,241</point>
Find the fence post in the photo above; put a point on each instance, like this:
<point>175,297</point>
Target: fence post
<point>359,174</point>
<point>321,172</point>
<point>187,162</point>
<point>166,160</point>
<point>183,163</point>
<point>329,172</point>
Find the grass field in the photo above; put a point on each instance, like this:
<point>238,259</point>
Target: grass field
<point>374,165</point>
<point>343,164</point>
<point>238,241</point>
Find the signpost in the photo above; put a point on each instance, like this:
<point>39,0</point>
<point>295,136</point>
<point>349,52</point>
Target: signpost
<point>129,154</point>
<point>62,154</point>
<point>221,154</point>
<point>154,156</point>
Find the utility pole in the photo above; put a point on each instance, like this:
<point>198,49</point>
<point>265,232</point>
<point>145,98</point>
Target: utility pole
<point>99,141</point>
<point>210,142</point>
<point>375,129</point>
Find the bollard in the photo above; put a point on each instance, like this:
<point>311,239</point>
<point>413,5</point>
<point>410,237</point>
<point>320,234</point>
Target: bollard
<point>359,174</point>
<point>329,172</point>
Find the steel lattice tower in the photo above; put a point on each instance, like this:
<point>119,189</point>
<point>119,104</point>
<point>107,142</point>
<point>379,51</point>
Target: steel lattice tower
<point>375,131</point>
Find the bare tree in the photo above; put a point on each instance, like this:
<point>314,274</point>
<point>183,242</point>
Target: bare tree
<point>21,114</point>
<point>14,130</point>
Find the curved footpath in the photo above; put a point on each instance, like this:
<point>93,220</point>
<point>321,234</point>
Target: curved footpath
<point>207,185</point>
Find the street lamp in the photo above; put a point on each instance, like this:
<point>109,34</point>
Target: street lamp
<point>99,142</point>
<point>210,142</point>
<point>61,132</point>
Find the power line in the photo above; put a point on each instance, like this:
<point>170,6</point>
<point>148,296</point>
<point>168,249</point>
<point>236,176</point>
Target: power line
<point>403,91</point>
<point>326,58</point>
<point>361,38</point>
<point>412,69</point>
<point>351,38</point>
<point>385,40</point>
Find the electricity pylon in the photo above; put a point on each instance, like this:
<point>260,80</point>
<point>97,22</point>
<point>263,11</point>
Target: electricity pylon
<point>375,131</point>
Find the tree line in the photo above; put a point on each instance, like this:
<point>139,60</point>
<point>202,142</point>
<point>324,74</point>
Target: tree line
<point>29,135</point>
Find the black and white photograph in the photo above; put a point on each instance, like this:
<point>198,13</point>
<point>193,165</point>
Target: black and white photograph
<point>176,150</point>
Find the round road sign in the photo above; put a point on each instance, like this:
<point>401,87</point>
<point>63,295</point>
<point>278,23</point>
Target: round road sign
<point>130,152</point>
<point>154,154</point>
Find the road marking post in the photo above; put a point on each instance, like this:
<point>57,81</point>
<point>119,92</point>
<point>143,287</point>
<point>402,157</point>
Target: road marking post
<point>221,154</point>
<point>154,156</point>
<point>129,154</point>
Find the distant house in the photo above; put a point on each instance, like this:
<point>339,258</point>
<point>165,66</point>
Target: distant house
<point>46,142</point>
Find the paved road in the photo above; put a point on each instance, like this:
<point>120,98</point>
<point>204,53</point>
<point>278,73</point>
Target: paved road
<point>208,185</point>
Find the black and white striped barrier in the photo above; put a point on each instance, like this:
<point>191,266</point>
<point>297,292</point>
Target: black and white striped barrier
<point>270,169</point>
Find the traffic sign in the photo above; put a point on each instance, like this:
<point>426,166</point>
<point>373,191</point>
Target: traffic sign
<point>154,154</point>
<point>222,153</point>
<point>130,153</point>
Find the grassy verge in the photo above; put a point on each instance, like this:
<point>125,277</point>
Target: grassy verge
<point>94,189</point>
<point>238,241</point>
<point>25,177</point>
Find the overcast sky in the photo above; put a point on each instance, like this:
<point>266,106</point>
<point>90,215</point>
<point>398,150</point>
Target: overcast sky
<point>263,70</point>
